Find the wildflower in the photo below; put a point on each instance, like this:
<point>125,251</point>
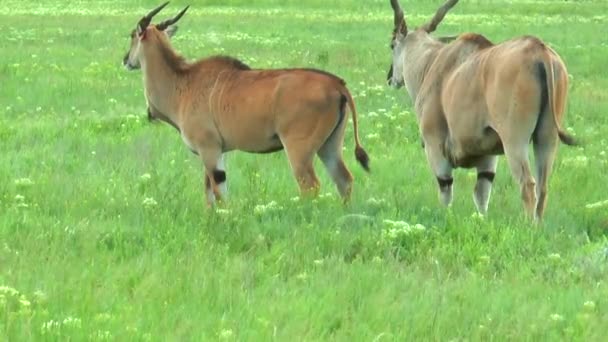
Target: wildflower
<point>590,305</point>
<point>24,302</point>
<point>327,194</point>
<point>103,317</point>
<point>23,182</point>
<point>262,208</point>
<point>374,201</point>
<point>484,258</point>
<point>149,202</point>
<point>419,227</point>
<point>8,291</point>
<point>597,204</point>
<point>72,322</point>
<point>39,297</point>
<point>49,326</point>
<point>221,211</point>
<point>579,161</point>
<point>101,335</point>
<point>226,334</point>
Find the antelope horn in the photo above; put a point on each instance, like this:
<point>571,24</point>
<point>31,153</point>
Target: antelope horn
<point>145,21</point>
<point>163,25</point>
<point>398,12</point>
<point>432,25</point>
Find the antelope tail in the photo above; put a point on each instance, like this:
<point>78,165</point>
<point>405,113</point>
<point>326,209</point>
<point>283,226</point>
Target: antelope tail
<point>550,75</point>
<point>360,153</point>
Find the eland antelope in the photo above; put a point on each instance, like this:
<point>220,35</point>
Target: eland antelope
<point>475,100</point>
<point>219,104</point>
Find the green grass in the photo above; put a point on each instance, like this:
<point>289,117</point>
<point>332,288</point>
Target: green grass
<point>85,256</point>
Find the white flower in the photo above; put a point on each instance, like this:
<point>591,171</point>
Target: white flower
<point>72,322</point>
<point>23,182</point>
<point>590,305</point>
<point>50,326</point>
<point>221,211</point>
<point>7,290</point>
<point>24,302</point>
<point>375,201</point>
<point>262,208</point>
<point>226,333</point>
<point>597,204</point>
<point>149,202</point>
<point>327,194</point>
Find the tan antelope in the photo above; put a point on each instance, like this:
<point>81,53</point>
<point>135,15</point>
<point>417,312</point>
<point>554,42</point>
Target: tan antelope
<point>475,100</point>
<point>219,104</point>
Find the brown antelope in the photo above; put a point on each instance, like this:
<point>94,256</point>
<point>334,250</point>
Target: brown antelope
<point>219,104</point>
<point>475,100</point>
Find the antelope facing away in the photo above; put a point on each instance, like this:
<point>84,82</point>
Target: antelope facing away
<point>475,100</point>
<point>219,104</point>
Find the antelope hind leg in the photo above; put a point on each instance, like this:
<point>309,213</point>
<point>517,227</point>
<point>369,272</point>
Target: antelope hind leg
<point>443,171</point>
<point>486,170</point>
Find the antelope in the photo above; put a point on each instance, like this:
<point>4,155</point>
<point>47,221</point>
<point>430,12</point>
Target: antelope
<point>219,104</point>
<point>475,100</point>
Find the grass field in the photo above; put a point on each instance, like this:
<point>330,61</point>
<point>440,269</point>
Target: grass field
<point>104,234</point>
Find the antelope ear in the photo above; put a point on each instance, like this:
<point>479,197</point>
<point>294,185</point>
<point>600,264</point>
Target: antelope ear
<point>140,31</point>
<point>170,30</point>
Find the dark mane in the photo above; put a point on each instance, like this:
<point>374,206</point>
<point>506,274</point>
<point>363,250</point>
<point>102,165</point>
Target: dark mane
<point>176,62</point>
<point>233,62</point>
<point>180,65</point>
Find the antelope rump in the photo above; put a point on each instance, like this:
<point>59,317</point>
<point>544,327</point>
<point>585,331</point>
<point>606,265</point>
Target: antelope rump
<point>475,100</point>
<point>219,104</point>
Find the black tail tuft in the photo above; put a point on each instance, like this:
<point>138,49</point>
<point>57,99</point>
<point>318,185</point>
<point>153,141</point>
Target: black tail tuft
<point>362,157</point>
<point>567,139</point>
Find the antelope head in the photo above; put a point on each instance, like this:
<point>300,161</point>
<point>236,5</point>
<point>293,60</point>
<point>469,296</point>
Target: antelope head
<point>403,40</point>
<point>144,30</point>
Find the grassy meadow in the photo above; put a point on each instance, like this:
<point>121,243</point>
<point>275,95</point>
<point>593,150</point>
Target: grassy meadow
<point>104,233</point>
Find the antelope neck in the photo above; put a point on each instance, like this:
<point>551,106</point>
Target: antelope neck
<point>161,82</point>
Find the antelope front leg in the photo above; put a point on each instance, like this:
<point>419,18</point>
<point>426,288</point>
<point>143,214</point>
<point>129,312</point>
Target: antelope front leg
<point>214,176</point>
<point>486,170</point>
<point>220,180</point>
